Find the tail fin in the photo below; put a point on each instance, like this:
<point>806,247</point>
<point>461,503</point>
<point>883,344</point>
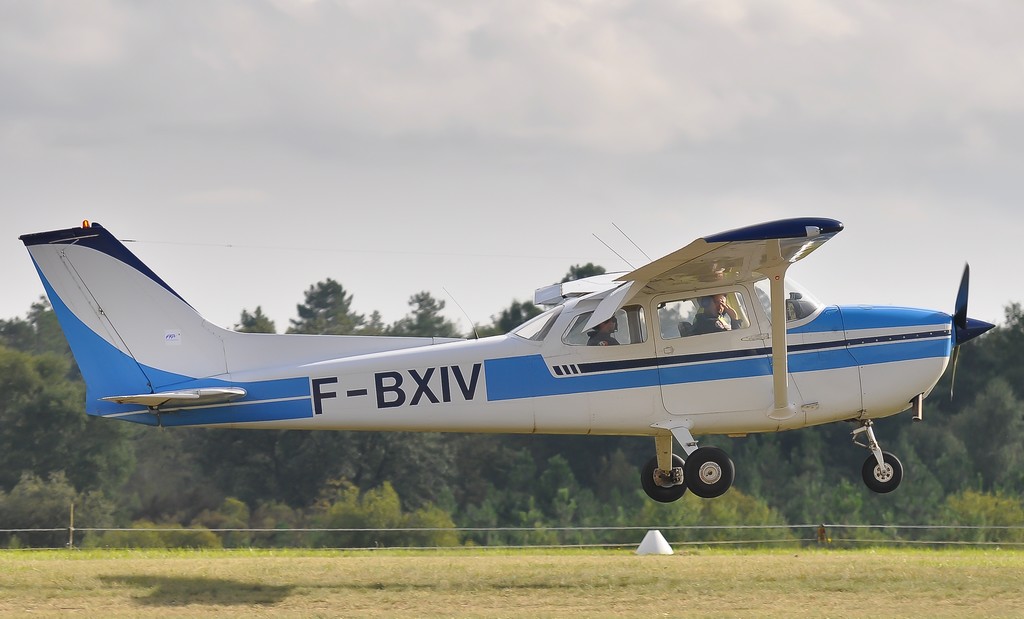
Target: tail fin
<point>129,331</point>
<point>141,347</point>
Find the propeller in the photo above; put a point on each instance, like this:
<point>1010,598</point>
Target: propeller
<point>952,375</point>
<point>964,328</point>
<point>960,311</point>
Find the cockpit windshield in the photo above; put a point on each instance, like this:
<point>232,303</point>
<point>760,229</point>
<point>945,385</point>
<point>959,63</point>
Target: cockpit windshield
<point>537,328</point>
<point>799,303</point>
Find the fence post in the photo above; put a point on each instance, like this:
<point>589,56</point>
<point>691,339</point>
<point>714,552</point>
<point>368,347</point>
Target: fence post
<point>71,528</point>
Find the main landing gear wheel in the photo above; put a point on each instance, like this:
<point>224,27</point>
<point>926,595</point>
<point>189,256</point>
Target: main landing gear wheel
<point>882,478</point>
<point>709,472</point>
<point>652,483</point>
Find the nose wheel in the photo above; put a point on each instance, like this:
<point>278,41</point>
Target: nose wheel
<point>882,471</point>
<point>884,477</point>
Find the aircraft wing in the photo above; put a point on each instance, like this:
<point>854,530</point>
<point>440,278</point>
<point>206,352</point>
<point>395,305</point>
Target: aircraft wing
<point>729,257</point>
<point>735,256</point>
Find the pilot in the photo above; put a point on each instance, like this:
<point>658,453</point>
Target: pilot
<point>717,316</point>
<point>601,335</point>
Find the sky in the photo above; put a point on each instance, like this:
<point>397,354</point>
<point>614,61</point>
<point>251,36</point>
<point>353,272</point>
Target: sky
<point>477,150</point>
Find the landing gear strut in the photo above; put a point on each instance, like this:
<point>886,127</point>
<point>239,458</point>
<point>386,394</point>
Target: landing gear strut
<point>707,472</point>
<point>882,471</point>
<point>662,476</point>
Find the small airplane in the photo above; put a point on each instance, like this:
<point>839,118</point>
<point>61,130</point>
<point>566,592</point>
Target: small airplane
<point>710,339</point>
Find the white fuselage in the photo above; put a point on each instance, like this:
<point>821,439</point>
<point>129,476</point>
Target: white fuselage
<point>844,363</point>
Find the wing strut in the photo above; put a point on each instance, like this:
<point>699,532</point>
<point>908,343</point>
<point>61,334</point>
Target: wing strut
<point>783,408</point>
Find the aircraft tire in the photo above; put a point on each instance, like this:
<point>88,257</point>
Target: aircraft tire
<point>709,472</point>
<point>661,494</point>
<point>882,479</point>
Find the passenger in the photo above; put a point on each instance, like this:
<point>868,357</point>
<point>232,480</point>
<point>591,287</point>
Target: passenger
<point>717,316</point>
<point>601,335</point>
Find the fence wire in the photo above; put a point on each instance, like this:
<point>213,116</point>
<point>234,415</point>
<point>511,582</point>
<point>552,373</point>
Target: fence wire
<point>497,538</point>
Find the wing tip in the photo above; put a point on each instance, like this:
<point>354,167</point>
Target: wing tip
<point>798,227</point>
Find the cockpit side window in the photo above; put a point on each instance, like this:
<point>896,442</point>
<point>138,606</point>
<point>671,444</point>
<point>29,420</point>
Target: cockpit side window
<point>627,326</point>
<point>701,315</point>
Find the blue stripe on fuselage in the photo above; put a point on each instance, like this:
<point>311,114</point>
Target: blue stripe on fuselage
<point>530,376</point>
<point>512,378</point>
<point>262,402</point>
<point>902,351</point>
<point>236,412</point>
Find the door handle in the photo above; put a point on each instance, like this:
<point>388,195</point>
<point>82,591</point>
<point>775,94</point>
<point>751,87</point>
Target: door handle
<point>668,350</point>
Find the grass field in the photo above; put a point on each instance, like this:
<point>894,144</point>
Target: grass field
<point>484,583</point>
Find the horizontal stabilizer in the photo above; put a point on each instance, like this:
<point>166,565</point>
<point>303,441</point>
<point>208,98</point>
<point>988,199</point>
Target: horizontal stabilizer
<point>185,397</point>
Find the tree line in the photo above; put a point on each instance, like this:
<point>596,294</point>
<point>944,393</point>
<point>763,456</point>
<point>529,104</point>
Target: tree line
<point>963,463</point>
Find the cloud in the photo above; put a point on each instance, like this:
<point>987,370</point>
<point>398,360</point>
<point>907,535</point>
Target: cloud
<point>616,76</point>
<point>547,118</point>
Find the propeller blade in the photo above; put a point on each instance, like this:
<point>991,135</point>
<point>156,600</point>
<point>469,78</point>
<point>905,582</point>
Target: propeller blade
<point>960,313</point>
<point>952,374</point>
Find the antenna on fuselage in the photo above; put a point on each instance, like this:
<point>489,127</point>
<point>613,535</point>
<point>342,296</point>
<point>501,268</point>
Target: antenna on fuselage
<point>631,241</point>
<point>464,313</point>
<point>615,252</point>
